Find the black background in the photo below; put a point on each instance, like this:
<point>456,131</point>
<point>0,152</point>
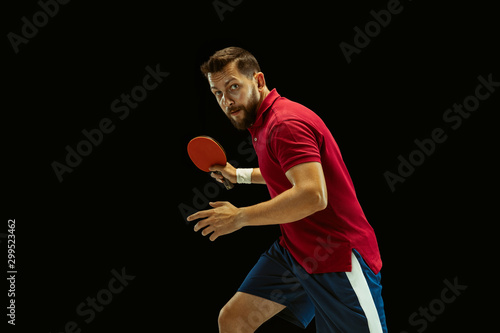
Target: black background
<point>119,209</point>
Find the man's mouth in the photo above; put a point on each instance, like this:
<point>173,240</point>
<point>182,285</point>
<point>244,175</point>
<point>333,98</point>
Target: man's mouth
<point>235,113</point>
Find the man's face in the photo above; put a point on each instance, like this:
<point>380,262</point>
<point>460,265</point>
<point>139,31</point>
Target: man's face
<point>236,94</point>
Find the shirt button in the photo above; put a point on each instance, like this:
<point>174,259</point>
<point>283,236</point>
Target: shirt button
<point>255,139</point>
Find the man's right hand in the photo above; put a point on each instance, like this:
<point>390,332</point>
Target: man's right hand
<point>228,171</point>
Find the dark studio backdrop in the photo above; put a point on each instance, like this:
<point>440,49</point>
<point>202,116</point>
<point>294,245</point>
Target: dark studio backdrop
<point>101,99</point>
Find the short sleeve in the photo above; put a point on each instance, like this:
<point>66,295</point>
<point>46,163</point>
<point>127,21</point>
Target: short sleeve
<point>294,142</point>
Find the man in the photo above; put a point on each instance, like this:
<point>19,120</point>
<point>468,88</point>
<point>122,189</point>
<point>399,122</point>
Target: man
<point>326,264</point>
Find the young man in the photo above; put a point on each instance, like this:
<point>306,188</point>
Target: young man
<point>326,264</point>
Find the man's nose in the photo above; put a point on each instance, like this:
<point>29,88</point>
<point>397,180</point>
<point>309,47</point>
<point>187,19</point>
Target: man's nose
<point>226,102</point>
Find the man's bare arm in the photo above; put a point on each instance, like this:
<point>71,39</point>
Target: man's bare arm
<point>257,177</point>
<point>229,172</point>
<point>307,195</point>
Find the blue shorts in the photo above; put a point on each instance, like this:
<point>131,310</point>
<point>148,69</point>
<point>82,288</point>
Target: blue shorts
<point>341,302</point>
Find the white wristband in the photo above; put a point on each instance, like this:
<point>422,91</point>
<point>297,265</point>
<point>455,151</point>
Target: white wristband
<point>244,176</point>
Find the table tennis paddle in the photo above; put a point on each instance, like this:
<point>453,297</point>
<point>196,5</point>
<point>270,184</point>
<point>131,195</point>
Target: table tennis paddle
<point>204,151</point>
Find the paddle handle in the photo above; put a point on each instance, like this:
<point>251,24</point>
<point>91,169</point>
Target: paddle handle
<point>227,183</point>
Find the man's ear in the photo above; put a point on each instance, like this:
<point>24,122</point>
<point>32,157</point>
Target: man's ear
<point>261,80</point>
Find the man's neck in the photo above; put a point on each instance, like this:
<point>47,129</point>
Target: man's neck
<point>263,95</point>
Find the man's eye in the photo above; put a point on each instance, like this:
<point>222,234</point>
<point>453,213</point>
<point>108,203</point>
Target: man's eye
<point>234,86</point>
<point>218,93</point>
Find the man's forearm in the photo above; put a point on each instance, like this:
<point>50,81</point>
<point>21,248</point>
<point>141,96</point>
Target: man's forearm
<point>307,195</point>
<point>257,177</point>
<point>290,206</point>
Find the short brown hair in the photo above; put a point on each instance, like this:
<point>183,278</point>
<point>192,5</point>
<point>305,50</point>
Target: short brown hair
<point>245,61</point>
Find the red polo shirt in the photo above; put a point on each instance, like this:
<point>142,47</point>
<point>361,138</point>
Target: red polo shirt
<point>286,134</point>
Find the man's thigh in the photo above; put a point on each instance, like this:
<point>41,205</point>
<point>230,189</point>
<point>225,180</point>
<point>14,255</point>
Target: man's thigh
<point>272,278</point>
<point>245,313</point>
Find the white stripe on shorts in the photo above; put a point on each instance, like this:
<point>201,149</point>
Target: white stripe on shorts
<point>360,286</point>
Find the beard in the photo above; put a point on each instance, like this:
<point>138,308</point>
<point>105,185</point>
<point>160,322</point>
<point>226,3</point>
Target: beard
<point>248,112</point>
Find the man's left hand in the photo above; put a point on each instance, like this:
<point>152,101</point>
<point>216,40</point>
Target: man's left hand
<point>223,219</point>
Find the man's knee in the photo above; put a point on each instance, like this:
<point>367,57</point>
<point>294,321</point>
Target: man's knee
<point>224,316</point>
<point>231,321</point>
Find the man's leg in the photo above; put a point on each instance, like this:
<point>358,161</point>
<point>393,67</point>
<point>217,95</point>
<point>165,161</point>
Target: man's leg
<point>244,313</point>
<point>346,301</point>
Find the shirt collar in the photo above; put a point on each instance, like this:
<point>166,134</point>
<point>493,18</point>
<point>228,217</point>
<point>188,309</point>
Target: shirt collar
<point>266,104</point>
